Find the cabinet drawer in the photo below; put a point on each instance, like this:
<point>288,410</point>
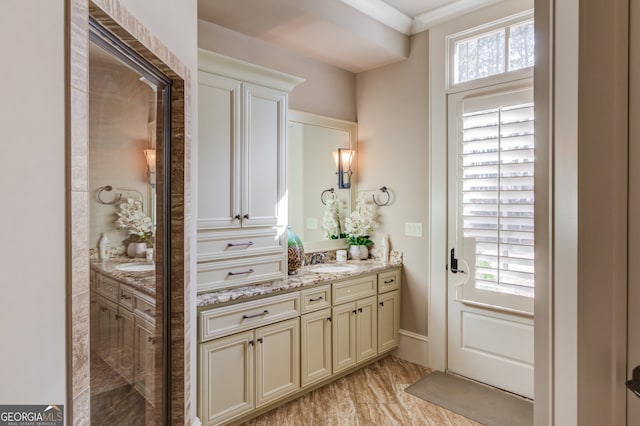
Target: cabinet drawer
<point>316,298</point>
<point>231,245</point>
<point>357,288</point>
<point>107,287</point>
<point>243,316</point>
<point>144,307</point>
<point>388,281</point>
<point>125,297</point>
<point>219,275</point>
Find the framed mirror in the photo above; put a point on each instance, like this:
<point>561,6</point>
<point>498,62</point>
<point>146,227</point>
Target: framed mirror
<point>312,174</point>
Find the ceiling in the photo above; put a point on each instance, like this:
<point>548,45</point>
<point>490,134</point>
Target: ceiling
<point>355,35</point>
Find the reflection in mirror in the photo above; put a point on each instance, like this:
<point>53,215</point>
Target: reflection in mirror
<point>128,106</point>
<point>311,171</point>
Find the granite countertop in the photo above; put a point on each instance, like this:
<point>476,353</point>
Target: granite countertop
<point>143,281</point>
<point>304,278</point>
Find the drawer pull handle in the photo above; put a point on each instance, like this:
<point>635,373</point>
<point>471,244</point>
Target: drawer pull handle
<point>316,299</point>
<point>259,339</point>
<point>118,316</point>
<point>125,297</point>
<point>381,303</point>
<point>359,309</point>
<point>237,217</point>
<point>241,273</point>
<point>246,216</point>
<point>389,281</point>
<point>354,311</point>
<point>250,243</point>
<point>329,319</point>
<point>265,312</point>
<point>251,342</point>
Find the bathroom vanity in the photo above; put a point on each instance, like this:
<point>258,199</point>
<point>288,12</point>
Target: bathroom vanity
<point>124,332</point>
<point>262,345</point>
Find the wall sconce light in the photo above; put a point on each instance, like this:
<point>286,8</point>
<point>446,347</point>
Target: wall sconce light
<point>344,159</point>
<point>150,155</point>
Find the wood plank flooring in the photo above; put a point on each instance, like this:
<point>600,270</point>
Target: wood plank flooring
<point>373,395</point>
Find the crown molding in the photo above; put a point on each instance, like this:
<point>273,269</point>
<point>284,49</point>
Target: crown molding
<point>428,19</point>
<point>383,13</point>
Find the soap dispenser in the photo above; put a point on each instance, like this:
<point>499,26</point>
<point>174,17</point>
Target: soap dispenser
<point>104,247</point>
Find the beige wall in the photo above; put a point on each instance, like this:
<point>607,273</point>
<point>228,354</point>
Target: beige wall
<point>327,90</point>
<point>393,151</point>
<point>32,172</point>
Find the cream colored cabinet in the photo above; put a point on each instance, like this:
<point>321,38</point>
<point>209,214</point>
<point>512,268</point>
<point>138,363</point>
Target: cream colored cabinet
<point>248,370</point>
<point>144,371</point>
<point>124,360</point>
<point>241,172</point>
<point>277,360</point>
<point>315,340</point>
<point>226,378</point>
<point>355,333</point>
<point>388,321</point>
<point>107,330</point>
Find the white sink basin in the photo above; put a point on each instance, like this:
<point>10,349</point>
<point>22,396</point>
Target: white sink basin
<point>333,268</point>
<point>135,267</point>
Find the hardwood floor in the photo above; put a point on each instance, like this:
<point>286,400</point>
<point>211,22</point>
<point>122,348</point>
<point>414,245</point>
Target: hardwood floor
<point>373,395</point>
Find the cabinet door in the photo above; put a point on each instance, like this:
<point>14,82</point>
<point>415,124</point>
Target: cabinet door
<point>315,336</point>
<point>388,320</point>
<point>277,360</point>
<point>344,336</point>
<point>144,371</point>
<point>219,152</point>
<point>264,157</point>
<point>124,360</point>
<point>226,379</point>
<point>366,329</point>
<point>107,327</point>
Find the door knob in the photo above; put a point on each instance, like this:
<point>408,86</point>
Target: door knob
<point>634,383</point>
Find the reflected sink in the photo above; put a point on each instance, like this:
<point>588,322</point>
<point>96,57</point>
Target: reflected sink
<point>333,268</point>
<point>135,267</point>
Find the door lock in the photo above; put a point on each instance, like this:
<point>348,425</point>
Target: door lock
<point>454,263</point>
<point>634,383</point>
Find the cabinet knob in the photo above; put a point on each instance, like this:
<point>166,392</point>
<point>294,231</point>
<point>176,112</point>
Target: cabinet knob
<point>246,216</point>
<point>251,342</point>
<point>381,303</point>
<point>237,217</point>
<point>359,309</point>
<point>354,311</point>
<point>259,339</point>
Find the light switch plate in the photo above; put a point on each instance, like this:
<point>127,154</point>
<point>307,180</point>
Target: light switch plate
<point>413,229</point>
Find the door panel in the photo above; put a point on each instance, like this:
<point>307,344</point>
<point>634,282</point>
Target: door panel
<point>491,262</point>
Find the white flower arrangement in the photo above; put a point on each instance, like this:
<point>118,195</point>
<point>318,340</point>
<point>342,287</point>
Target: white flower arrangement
<point>332,221</point>
<point>360,223</point>
<point>134,221</point>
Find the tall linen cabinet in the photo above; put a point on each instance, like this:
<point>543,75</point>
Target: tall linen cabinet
<point>242,125</point>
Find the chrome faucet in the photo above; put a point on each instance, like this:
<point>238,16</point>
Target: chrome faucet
<point>317,258</point>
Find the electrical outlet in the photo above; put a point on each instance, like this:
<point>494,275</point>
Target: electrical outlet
<point>412,229</point>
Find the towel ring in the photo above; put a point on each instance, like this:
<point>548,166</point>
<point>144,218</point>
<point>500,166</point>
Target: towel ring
<point>323,194</point>
<point>108,188</point>
<point>384,190</point>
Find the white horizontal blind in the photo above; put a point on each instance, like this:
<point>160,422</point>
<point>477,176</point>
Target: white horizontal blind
<point>496,163</point>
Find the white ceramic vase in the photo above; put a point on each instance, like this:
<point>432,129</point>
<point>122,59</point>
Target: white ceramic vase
<point>359,252</point>
<point>137,250</point>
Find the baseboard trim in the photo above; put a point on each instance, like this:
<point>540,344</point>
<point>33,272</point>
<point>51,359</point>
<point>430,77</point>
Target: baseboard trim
<point>413,347</point>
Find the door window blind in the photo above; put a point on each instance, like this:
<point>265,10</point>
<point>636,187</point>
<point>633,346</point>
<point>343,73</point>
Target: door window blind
<point>497,169</point>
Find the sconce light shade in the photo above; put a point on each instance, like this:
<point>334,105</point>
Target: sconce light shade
<point>150,156</point>
<point>344,159</point>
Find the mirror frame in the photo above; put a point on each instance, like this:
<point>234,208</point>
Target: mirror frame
<point>351,127</point>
